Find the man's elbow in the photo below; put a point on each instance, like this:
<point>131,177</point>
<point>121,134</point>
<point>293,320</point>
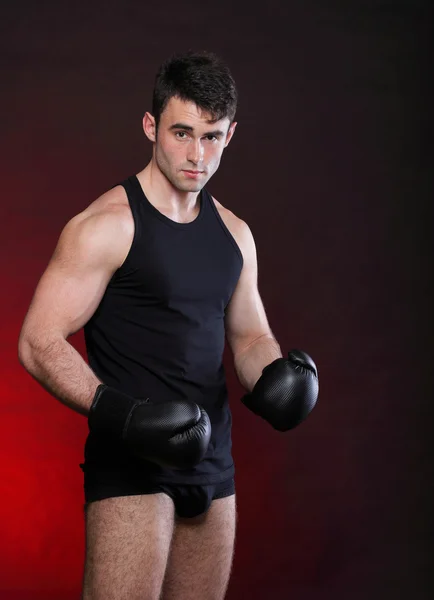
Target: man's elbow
<point>24,350</point>
<point>28,346</point>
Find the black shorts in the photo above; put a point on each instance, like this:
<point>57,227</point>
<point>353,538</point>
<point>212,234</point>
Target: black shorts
<point>190,500</point>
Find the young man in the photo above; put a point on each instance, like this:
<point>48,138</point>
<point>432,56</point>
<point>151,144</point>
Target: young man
<point>158,272</point>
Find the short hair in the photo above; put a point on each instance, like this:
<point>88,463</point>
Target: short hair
<point>199,77</point>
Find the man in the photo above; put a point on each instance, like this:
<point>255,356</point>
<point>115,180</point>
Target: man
<point>158,272</point>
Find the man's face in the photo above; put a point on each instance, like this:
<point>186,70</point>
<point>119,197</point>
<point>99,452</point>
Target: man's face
<point>188,147</point>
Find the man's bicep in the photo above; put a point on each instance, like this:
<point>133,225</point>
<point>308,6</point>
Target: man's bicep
<point>73,283</point>
<point>245,319</point>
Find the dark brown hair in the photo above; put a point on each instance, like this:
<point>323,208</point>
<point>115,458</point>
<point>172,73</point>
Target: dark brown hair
<point>199,77</point>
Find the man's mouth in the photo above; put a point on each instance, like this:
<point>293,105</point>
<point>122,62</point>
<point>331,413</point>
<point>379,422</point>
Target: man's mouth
<point>192,173</point>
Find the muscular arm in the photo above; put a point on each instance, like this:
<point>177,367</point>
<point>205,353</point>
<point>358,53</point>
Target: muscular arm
<point>250,361</point>
<point>90,248</point>
<point>247,329</point>
<point>61,370</point>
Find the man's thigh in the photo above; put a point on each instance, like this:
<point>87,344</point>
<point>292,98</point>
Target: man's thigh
<point>201,554</point>
<point>127,545</point>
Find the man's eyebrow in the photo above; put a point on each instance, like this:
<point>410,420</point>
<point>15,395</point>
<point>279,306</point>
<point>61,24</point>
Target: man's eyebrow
<point>181,126</point>
<point>216,133</point>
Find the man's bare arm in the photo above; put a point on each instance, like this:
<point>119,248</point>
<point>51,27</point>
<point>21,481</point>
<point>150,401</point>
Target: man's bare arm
<point>90,248</point>
<point>61,370</point>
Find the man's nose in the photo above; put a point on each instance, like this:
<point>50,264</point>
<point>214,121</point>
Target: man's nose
<point>195,152</point>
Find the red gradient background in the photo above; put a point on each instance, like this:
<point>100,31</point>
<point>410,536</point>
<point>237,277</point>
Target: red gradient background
<point>331,166</point>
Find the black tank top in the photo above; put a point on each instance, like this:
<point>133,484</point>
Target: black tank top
<point>158,331</point>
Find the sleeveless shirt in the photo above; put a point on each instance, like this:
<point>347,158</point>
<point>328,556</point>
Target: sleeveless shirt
<point>159,333</point>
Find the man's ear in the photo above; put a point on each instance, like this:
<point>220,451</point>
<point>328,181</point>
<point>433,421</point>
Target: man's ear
<point>230,133</point>
<point>149,127</point>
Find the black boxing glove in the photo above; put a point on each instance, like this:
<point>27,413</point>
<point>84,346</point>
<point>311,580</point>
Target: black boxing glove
<point>172,434</point>
<point>286,392</point>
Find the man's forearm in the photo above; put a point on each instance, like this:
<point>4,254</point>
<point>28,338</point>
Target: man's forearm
<point>61,370</point>
<point>250,362</point>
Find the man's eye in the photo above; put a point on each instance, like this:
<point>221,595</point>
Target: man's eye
<point>211,137</point>
<point>181,134</point>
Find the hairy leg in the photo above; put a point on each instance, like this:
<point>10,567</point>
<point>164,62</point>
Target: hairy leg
<point>201,554</point>
<point>127,545</point>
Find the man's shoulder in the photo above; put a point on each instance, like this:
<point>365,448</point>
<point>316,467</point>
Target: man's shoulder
<point>108,215</point>
<point>230,219</point>
<point>114,200</point>
<point>238,228</point>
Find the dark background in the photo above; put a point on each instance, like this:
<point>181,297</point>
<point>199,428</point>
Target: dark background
<point>331,167</point>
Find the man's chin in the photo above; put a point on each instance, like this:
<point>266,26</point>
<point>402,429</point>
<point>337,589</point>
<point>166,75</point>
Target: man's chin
<point>190,186</point>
